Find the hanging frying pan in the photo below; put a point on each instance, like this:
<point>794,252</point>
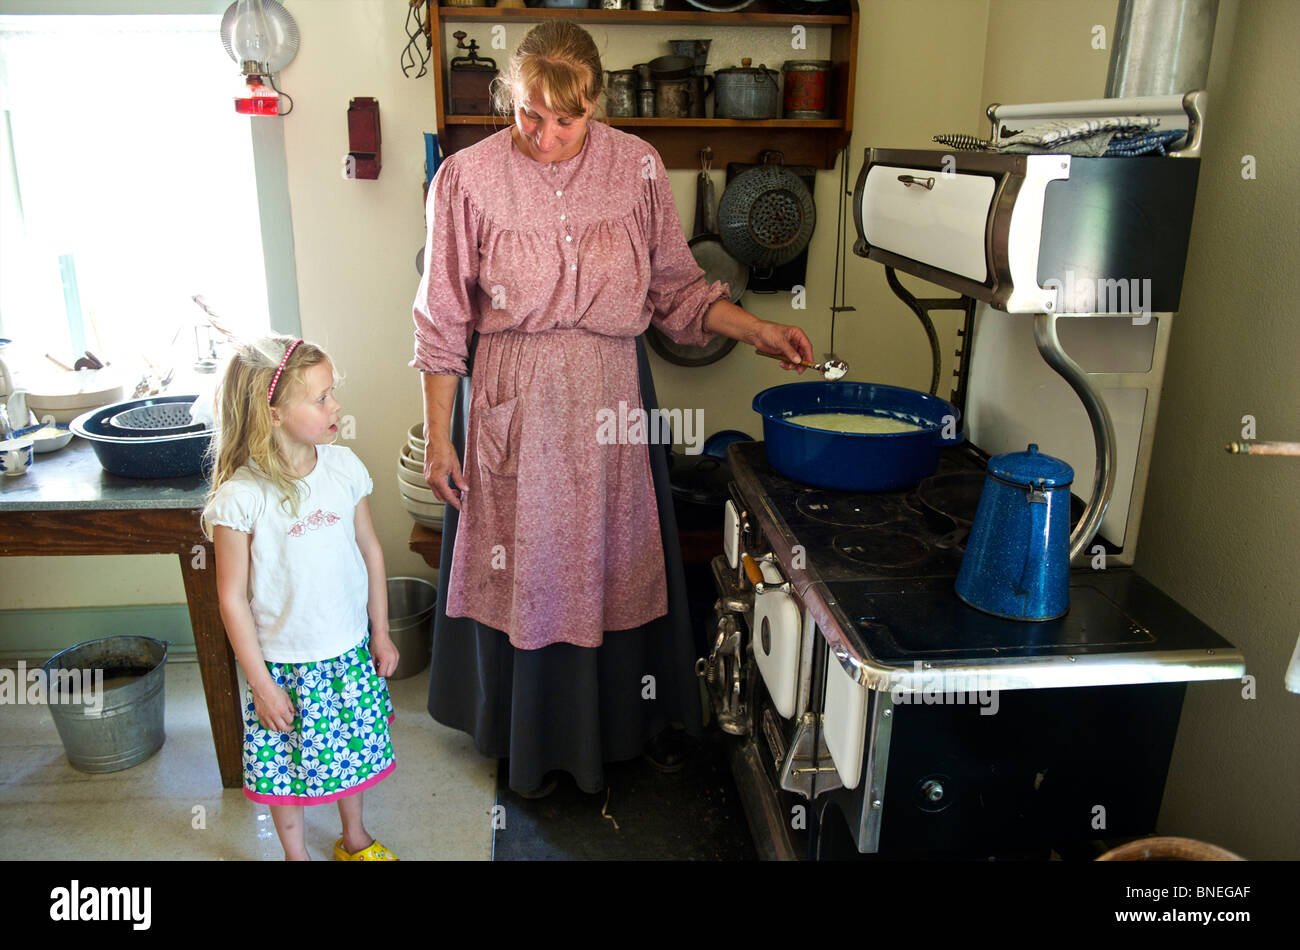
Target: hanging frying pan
<point>717,265</point>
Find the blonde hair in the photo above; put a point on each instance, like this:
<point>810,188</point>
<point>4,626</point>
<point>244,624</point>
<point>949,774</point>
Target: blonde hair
<point>243,414</point>
<point>557,59</point>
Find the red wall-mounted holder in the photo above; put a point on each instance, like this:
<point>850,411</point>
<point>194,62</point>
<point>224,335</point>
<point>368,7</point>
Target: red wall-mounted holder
<point>363,138</point>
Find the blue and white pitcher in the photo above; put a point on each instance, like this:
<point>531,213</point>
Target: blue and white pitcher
<point>1017,561</point>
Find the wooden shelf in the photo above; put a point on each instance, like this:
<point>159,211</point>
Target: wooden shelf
<point>812,142</point>
<point>621,122</point>
<point>759,14</point>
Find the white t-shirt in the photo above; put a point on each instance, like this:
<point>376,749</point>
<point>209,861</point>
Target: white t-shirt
<point>307,582</point>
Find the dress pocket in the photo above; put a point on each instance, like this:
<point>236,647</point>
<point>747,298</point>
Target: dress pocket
<point>498,438</point>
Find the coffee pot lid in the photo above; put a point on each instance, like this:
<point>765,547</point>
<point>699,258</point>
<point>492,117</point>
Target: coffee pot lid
<point>1031,467</point>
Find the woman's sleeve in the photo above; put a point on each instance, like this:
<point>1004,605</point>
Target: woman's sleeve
<point>445,310</point>
<point>679,291</point>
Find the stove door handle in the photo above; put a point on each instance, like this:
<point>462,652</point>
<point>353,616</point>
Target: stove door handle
<point>752,570</point>
<point>909,180</point>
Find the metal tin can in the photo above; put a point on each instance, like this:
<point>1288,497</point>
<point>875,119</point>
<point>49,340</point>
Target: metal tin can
<point>807,88</point>
<point>621,93</point>
<point>645,99</point>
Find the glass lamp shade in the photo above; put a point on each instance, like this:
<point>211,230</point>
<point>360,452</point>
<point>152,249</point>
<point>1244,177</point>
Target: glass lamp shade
<point>259,35</point>
<point>251,37</point>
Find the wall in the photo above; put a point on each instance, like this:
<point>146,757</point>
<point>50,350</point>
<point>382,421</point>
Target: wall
<point>1044,51</point>
<point>1219,530</point>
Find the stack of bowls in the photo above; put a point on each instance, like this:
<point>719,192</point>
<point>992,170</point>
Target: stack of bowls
<point>417,497</point>
<point>146,438</point>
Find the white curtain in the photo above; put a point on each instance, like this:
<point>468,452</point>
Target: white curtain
<point>123,162</point>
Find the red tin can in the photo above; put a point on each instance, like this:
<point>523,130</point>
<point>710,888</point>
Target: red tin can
<point>807,88</point>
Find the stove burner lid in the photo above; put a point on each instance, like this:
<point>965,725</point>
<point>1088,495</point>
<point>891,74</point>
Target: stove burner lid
<point>853,510</point>
<point>954,495</point>
<point>881,547</point>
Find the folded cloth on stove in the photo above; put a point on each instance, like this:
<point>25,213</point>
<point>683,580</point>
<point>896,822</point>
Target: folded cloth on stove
<point>1086,137</point>
<point>1145,143</point>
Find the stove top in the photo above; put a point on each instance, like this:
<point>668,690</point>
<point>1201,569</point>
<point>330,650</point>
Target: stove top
<point>888,562</point>
<point>885,537</point>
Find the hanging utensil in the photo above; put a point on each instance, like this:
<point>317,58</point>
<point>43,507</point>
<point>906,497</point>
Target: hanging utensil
<point>766,216</point>
<point>706,244</point>
<point>416,30</point>
<point>838,305</point>
<point>706,197</point>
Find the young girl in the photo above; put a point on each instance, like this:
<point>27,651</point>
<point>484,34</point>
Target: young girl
<point>299,574</point>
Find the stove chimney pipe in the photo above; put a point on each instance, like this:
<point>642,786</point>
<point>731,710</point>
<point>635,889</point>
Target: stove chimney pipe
<point>1161,47</point>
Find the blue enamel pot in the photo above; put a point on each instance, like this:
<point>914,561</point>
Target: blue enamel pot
<point>1017,561</point>
<point>855,461</point>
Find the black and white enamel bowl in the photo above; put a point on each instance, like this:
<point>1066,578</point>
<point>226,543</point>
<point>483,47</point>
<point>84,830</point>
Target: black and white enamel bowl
<point>142,456</point>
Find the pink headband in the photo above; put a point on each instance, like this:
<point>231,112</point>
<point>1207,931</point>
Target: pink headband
<point>276,378</point>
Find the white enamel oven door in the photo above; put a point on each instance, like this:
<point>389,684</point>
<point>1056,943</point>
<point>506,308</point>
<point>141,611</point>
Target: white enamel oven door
<point>844,722</point>
<point>935,218</point>
<point>778,639</point>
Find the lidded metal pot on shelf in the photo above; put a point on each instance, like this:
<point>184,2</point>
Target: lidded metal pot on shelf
<point>745,92</point>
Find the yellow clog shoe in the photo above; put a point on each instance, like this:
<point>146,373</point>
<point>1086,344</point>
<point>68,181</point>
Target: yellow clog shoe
<point>373,852</point>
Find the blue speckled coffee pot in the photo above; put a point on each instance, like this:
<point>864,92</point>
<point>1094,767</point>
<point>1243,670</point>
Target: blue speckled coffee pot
<point>1017,562</point>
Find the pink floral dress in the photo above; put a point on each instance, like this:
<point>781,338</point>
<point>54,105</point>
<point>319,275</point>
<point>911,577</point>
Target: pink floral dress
<point>559,267</point>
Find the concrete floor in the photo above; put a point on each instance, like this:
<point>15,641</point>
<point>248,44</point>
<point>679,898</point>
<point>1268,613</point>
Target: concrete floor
<point>437,804</point>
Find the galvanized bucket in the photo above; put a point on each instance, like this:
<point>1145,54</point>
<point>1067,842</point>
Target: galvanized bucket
<point>746,93</point>
<point>411,601</point>
<point>118,720</point>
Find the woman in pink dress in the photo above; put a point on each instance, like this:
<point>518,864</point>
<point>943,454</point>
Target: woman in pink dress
<point>561,638</point>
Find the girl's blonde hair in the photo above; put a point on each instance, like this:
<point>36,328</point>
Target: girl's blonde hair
<point>243,414</point>
<point>557,59</point>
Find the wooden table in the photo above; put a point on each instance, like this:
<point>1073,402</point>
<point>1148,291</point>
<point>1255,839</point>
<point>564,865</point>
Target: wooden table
<point>67,504</point>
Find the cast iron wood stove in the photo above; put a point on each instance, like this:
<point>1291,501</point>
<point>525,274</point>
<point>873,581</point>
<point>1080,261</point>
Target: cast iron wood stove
<point>874,712</point>
<point>960,733</point>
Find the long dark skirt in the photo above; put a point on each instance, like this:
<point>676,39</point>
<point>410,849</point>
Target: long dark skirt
<point>565,707</point>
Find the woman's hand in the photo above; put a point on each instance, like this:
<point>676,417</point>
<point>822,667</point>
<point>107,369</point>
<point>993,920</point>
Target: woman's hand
<point>440,464</point>
<point>275,710</point>
<point>384,652</point>
<point>789,341</point>
<point>726,318</point>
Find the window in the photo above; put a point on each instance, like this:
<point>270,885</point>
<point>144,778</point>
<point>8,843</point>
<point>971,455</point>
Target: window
<point>127,186</point>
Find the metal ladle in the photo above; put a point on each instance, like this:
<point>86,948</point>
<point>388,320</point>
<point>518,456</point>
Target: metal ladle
<point>832,369</point>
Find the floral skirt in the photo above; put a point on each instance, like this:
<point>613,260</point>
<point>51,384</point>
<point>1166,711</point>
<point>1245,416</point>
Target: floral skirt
<point>339,742</point>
